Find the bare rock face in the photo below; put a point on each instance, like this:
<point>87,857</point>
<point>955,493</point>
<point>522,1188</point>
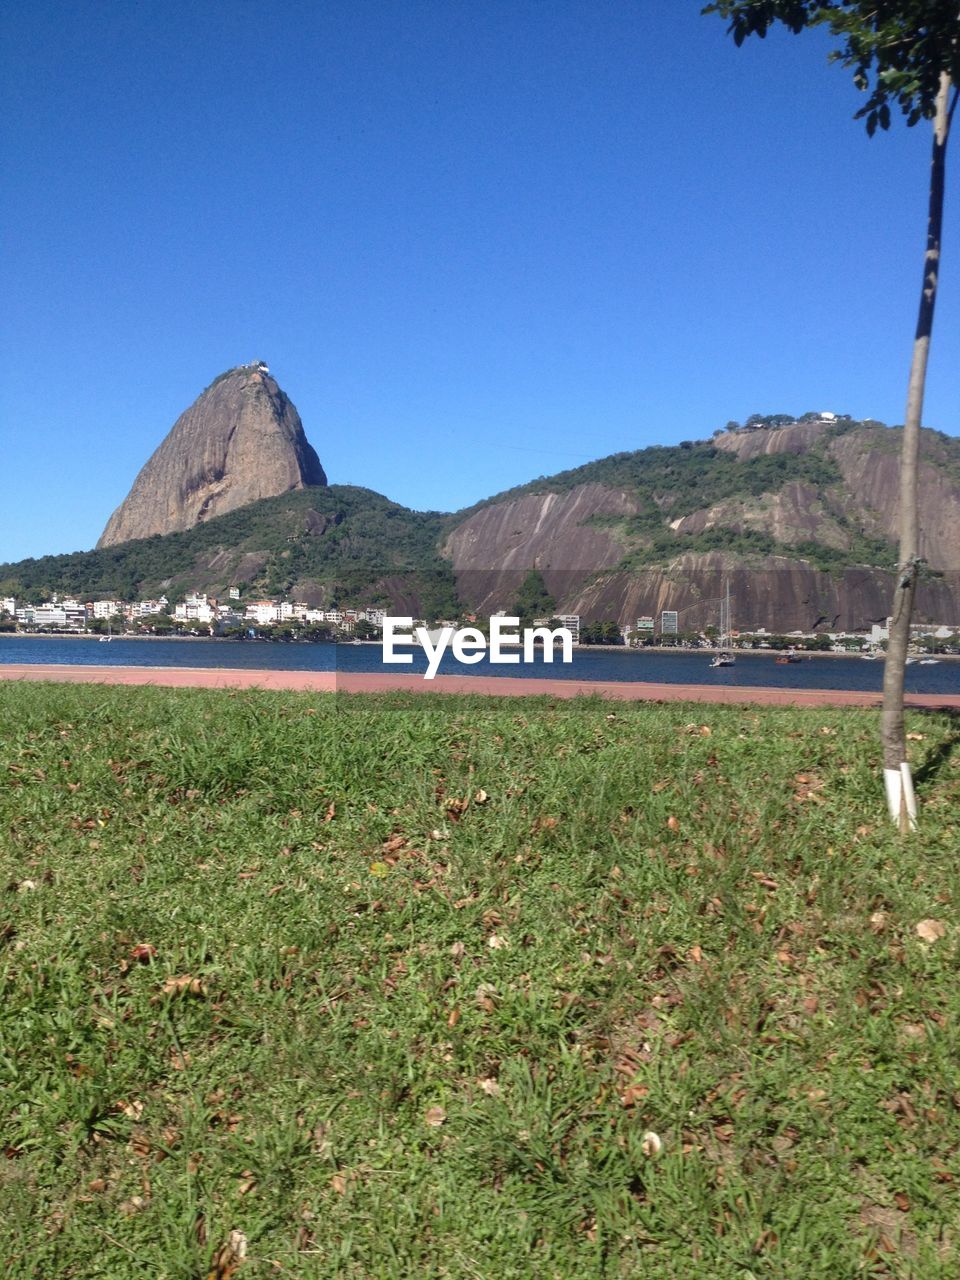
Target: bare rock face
<point>241,441</point>
<point>493,549</point>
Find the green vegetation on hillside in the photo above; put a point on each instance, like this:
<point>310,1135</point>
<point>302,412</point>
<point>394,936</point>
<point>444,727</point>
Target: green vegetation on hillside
<point>662,545</point>
<point>694,468</point>
<point>673,481</point>
<point>344,538</point>
<point>396,987</point>
<point>533,599</point>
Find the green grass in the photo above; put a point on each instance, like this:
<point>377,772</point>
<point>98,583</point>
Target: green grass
<point>709,935</point>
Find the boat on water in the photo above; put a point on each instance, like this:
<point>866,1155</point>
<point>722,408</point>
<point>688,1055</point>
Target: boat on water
<point>724,656</point>
<point>929,662</point>
<point>791,655</point>
<point>871,655</point>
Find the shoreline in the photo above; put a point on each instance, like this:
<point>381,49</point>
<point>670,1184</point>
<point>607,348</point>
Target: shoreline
<point>494,686</point>
<point>584,648</point>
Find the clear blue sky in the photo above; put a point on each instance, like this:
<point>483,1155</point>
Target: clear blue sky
<point>476,242</point>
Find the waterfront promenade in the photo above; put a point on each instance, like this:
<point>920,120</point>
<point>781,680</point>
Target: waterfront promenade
<point>384,682</point>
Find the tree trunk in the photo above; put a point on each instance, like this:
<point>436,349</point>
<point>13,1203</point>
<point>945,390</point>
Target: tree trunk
<point>896,771</point>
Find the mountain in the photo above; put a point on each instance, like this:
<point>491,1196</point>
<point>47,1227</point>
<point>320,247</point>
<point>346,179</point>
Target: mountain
<point>240,441</point>
<point>801,518</point>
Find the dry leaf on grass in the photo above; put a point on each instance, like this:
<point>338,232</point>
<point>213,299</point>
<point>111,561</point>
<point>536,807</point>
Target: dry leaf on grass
<point>633,1094</point>
<point>228,1257</point>
<point>183,984</point>
<point>435,1117</point>
<point>930,930</point>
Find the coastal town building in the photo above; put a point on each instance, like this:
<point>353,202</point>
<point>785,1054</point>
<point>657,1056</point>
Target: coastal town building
<point>61,615</point>
<point>107,608</point>
<point>262,612</point>
<point>198,612</point>
<point>196,608</point>
<point>147,608</point>
<point>229,619</point>
<point>572,623</point>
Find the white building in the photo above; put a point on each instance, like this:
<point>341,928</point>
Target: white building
<point>572,622</point>
<point>196,608</point>
<point>147,608</point>
<point>263,612</point>
<point>64,615</point>
<point>8,605</point>
<point>107,608</point>
<point>291,612</point>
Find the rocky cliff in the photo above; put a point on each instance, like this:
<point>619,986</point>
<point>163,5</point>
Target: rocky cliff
<point>802,520</point>
<point>240,441</point>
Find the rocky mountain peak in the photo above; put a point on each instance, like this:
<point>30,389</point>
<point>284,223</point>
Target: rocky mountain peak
<point>240,441</point>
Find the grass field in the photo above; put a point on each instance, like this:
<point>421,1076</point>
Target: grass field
<point>396,987</point>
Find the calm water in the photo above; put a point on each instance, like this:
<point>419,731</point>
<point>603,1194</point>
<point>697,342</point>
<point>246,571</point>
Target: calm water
<point>668,668</point>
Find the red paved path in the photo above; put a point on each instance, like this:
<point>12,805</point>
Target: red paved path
<point>357,682</point>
